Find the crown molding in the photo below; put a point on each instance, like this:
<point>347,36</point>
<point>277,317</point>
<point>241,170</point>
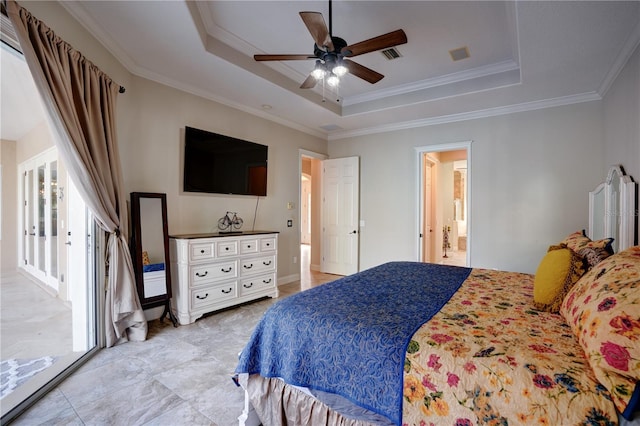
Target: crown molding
<point>621,60</point>
<point>471,115</point>
<point>444,80</point>
<point>76,10</point>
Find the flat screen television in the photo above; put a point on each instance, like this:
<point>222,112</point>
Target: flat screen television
<point>219,164</point>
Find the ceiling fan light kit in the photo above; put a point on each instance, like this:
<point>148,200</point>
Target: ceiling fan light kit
<point>331,53</point>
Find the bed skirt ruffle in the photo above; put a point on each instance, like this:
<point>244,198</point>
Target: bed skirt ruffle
<point>278,405</point>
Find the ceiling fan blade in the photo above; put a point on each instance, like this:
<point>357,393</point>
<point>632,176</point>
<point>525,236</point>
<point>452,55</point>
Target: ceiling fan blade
<point>318,29</point>
<point>309,83</point>
<point>363,72</point>
<point>384,41</point>
<point>283,57</point>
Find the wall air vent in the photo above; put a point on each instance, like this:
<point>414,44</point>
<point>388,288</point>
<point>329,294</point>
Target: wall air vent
<point>391,53</point>
<point>459,53</point>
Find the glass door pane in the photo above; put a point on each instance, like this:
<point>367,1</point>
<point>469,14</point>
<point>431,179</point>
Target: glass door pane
<point>53,219</point>
<point>31,226</point>
<point>41,219</point>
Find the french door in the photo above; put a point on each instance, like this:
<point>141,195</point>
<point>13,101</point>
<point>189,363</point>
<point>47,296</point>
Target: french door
<point>39,217</point>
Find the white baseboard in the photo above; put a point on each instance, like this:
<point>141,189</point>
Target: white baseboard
<point>288,279</point>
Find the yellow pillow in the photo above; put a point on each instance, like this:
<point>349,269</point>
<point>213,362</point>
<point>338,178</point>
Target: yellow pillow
<point>558,271</point>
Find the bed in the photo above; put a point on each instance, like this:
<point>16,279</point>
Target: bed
<point>410,343</point>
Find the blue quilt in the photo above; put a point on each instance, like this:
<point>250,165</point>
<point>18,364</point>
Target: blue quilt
<point>350,336</point>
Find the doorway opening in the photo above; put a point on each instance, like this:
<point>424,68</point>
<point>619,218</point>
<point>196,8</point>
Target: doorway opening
<point>310,209</point>
<point>444,194</point>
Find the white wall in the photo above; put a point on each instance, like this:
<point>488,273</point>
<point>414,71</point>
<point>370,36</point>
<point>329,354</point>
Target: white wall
<point>622,121</point>
<point>530,177</point>
<point>152,154</point>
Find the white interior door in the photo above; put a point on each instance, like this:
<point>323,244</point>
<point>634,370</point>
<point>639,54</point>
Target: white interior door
<point>340,215</point>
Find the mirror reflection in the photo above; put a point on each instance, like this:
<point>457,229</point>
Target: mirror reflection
<point>152,240</point>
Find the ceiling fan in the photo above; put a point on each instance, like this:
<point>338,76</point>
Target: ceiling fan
<point>331,53</point>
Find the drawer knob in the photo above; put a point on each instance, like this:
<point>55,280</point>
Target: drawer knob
<point>226,270</point>
<point>198,274</point>
<point>268,244</point>
<point>266,263</point>
<point>267,281</point>
<point>226,291</point>
<point>247,285</point>
<point>201,251</point>
<point>226,248</point>
<point>248,266</point>
<point>202,297</point>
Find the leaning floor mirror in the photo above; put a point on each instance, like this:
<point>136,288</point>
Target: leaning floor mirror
<point>150,250</point>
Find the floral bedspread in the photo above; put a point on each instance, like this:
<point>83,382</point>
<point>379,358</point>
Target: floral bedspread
<point>489,358</point>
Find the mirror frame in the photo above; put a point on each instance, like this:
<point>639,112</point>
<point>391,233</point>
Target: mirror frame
<point>136,249</point>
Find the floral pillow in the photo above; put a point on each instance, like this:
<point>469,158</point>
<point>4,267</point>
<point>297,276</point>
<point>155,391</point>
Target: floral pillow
<point>603,310</point>
<point>593,256</point>
<point>593,251</point>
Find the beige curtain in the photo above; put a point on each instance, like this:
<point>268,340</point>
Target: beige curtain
<point>81,103</point>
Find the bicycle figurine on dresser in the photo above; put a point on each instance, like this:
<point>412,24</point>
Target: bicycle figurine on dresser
<point>230,223</point>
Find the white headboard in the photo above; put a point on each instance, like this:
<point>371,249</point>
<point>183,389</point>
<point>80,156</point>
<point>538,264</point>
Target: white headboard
<point>612,210</point>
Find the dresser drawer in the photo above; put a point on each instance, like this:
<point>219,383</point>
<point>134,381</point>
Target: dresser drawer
<point>201,251</point>
<point>267,244</point>
<point>213,294</point>
<point>228,248</point>
<point>214,271</point>
<point>254,284</point>
<point>203,274</point>
<point>249,246</point>
<point>258,264</point>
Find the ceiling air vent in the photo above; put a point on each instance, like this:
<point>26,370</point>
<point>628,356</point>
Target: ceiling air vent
<point>459,53</point>
<point>391,53</point>
<point>330,127</point>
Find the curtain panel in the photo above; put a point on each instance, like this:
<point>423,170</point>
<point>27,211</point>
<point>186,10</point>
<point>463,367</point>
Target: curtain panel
<point>80,100</point>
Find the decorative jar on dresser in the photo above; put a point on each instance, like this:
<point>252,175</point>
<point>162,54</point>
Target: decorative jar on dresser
<point>216,271</point>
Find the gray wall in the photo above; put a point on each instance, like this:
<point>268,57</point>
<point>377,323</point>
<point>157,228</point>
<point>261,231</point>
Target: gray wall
<point>530,174</point>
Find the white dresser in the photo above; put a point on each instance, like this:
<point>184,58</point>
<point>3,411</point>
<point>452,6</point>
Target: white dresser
<point>214,271</point>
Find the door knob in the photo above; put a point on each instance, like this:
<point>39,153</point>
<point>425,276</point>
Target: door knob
<point>68,243</point>
<point>353,232</point>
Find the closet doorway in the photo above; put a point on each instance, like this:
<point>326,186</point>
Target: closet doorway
<point>444,200</point>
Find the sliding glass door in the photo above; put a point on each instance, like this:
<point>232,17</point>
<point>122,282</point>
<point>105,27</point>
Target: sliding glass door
<point>50,300</point>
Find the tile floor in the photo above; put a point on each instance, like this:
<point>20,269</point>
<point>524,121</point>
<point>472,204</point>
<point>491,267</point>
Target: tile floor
<point>454,258</point>
<point>42,325</point>
<point>178,376</point>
